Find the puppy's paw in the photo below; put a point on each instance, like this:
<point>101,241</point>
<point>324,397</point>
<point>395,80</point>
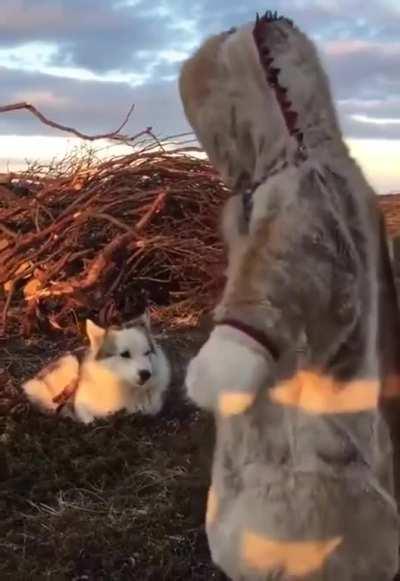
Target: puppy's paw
<point>83,414</point>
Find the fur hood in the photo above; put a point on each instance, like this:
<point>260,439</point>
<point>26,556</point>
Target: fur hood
<point>253,94</point>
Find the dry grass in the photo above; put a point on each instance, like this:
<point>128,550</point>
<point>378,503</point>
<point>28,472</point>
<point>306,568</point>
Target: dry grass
<point>123,499</point>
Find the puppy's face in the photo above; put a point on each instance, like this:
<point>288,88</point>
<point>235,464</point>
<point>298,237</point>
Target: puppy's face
<point>127,352</point>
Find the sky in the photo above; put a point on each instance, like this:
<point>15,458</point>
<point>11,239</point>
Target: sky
<point>84,62</point>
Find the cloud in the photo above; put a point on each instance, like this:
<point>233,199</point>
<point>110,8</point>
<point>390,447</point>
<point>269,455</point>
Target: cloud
<point>48,45</point>
<point>359,127</point>
<point>91,106</point>
<point>103,36</point>
<point>365,78</point>
<point>369,68</point>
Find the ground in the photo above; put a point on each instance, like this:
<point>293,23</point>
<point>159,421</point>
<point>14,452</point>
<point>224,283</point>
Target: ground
<point>122,499</point>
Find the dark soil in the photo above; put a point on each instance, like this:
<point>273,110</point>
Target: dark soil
<point>121,499</point>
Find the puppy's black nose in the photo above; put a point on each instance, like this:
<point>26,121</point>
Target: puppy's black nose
<point>144,375</point>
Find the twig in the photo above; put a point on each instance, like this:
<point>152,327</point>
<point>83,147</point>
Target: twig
<point>154,208</point>
<point>8,231</point>
<point>7,306</point>
<point>76,132</point>
<point>104,216</point>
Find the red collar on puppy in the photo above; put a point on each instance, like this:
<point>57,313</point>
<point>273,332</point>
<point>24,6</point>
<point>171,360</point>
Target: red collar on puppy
<point>67,393</point>
<point>70,389</point>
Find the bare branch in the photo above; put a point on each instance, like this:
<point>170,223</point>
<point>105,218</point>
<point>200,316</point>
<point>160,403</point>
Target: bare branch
<point>115,135</point>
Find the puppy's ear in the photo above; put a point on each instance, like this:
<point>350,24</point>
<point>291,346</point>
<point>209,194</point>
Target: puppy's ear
<point>95,335</point>
<point>144,320</point>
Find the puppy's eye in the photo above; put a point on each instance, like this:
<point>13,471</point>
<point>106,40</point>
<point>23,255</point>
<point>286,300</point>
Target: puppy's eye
<point>126,354</point>
<point>148,353</point>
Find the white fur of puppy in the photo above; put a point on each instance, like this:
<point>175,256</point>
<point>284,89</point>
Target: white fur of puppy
<point>123,369</point>
<point>230,362</point>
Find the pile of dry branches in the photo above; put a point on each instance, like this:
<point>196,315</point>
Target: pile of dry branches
<point>85,237</point>
<point>390,206</point>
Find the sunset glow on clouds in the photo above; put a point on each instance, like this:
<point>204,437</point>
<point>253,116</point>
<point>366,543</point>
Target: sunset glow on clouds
<point>84,66</point>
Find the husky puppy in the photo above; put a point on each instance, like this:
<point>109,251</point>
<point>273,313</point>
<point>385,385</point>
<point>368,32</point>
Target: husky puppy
<point>307,330</point>
<point>122,369</point>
